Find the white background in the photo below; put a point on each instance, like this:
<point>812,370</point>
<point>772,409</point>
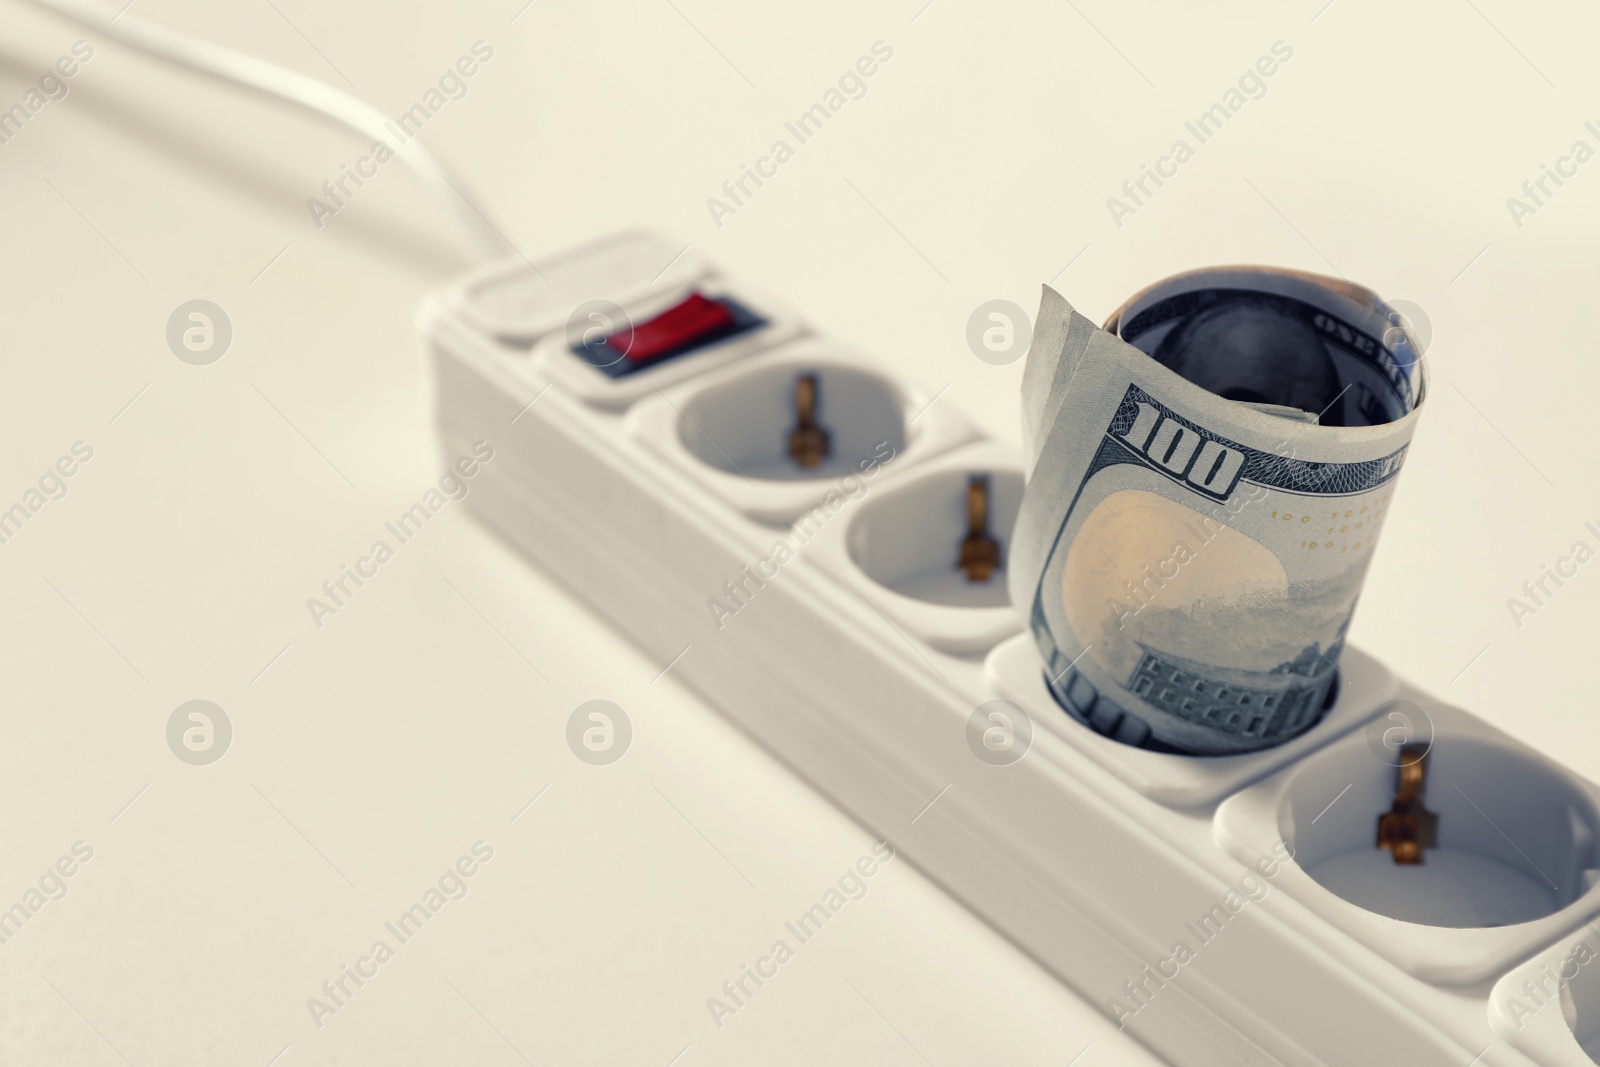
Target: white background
<point>370,753</point>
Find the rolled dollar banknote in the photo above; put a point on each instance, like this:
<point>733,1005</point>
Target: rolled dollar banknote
<point>1207,476</point>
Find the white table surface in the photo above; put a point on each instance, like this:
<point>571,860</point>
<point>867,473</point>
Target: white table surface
<point>372,752</point>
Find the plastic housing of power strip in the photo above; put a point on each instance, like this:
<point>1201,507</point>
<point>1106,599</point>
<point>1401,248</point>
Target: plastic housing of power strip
<point>843,646</point>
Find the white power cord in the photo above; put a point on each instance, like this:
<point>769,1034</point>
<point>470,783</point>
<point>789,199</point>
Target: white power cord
<point>274,81</point>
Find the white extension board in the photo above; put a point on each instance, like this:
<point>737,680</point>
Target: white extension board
<point>1228,910</point>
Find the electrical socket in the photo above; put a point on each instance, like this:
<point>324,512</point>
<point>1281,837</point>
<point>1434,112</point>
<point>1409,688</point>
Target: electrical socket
<point>1514,866</point>
<point>901,543</point>
<point>729,429</point>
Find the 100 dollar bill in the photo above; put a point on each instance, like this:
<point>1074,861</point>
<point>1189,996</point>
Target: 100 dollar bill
<point>1206,486</point>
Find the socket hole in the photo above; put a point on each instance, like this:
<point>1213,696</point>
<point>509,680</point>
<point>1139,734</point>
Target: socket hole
<point>1516,837</point>
<point>909,539</point>
<point>742,426</point>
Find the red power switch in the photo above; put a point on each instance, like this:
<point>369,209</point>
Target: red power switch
<point>676,328</point>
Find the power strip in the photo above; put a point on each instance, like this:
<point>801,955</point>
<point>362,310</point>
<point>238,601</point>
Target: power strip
<point>1227,910</point>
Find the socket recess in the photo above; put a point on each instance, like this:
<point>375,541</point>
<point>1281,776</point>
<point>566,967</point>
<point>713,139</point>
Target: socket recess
<point>1514,866</point>
<point>1015,672</point>
<point>729,429</point>
<point>901,545</point>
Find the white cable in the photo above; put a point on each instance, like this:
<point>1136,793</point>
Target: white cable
<point>274,81</point>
